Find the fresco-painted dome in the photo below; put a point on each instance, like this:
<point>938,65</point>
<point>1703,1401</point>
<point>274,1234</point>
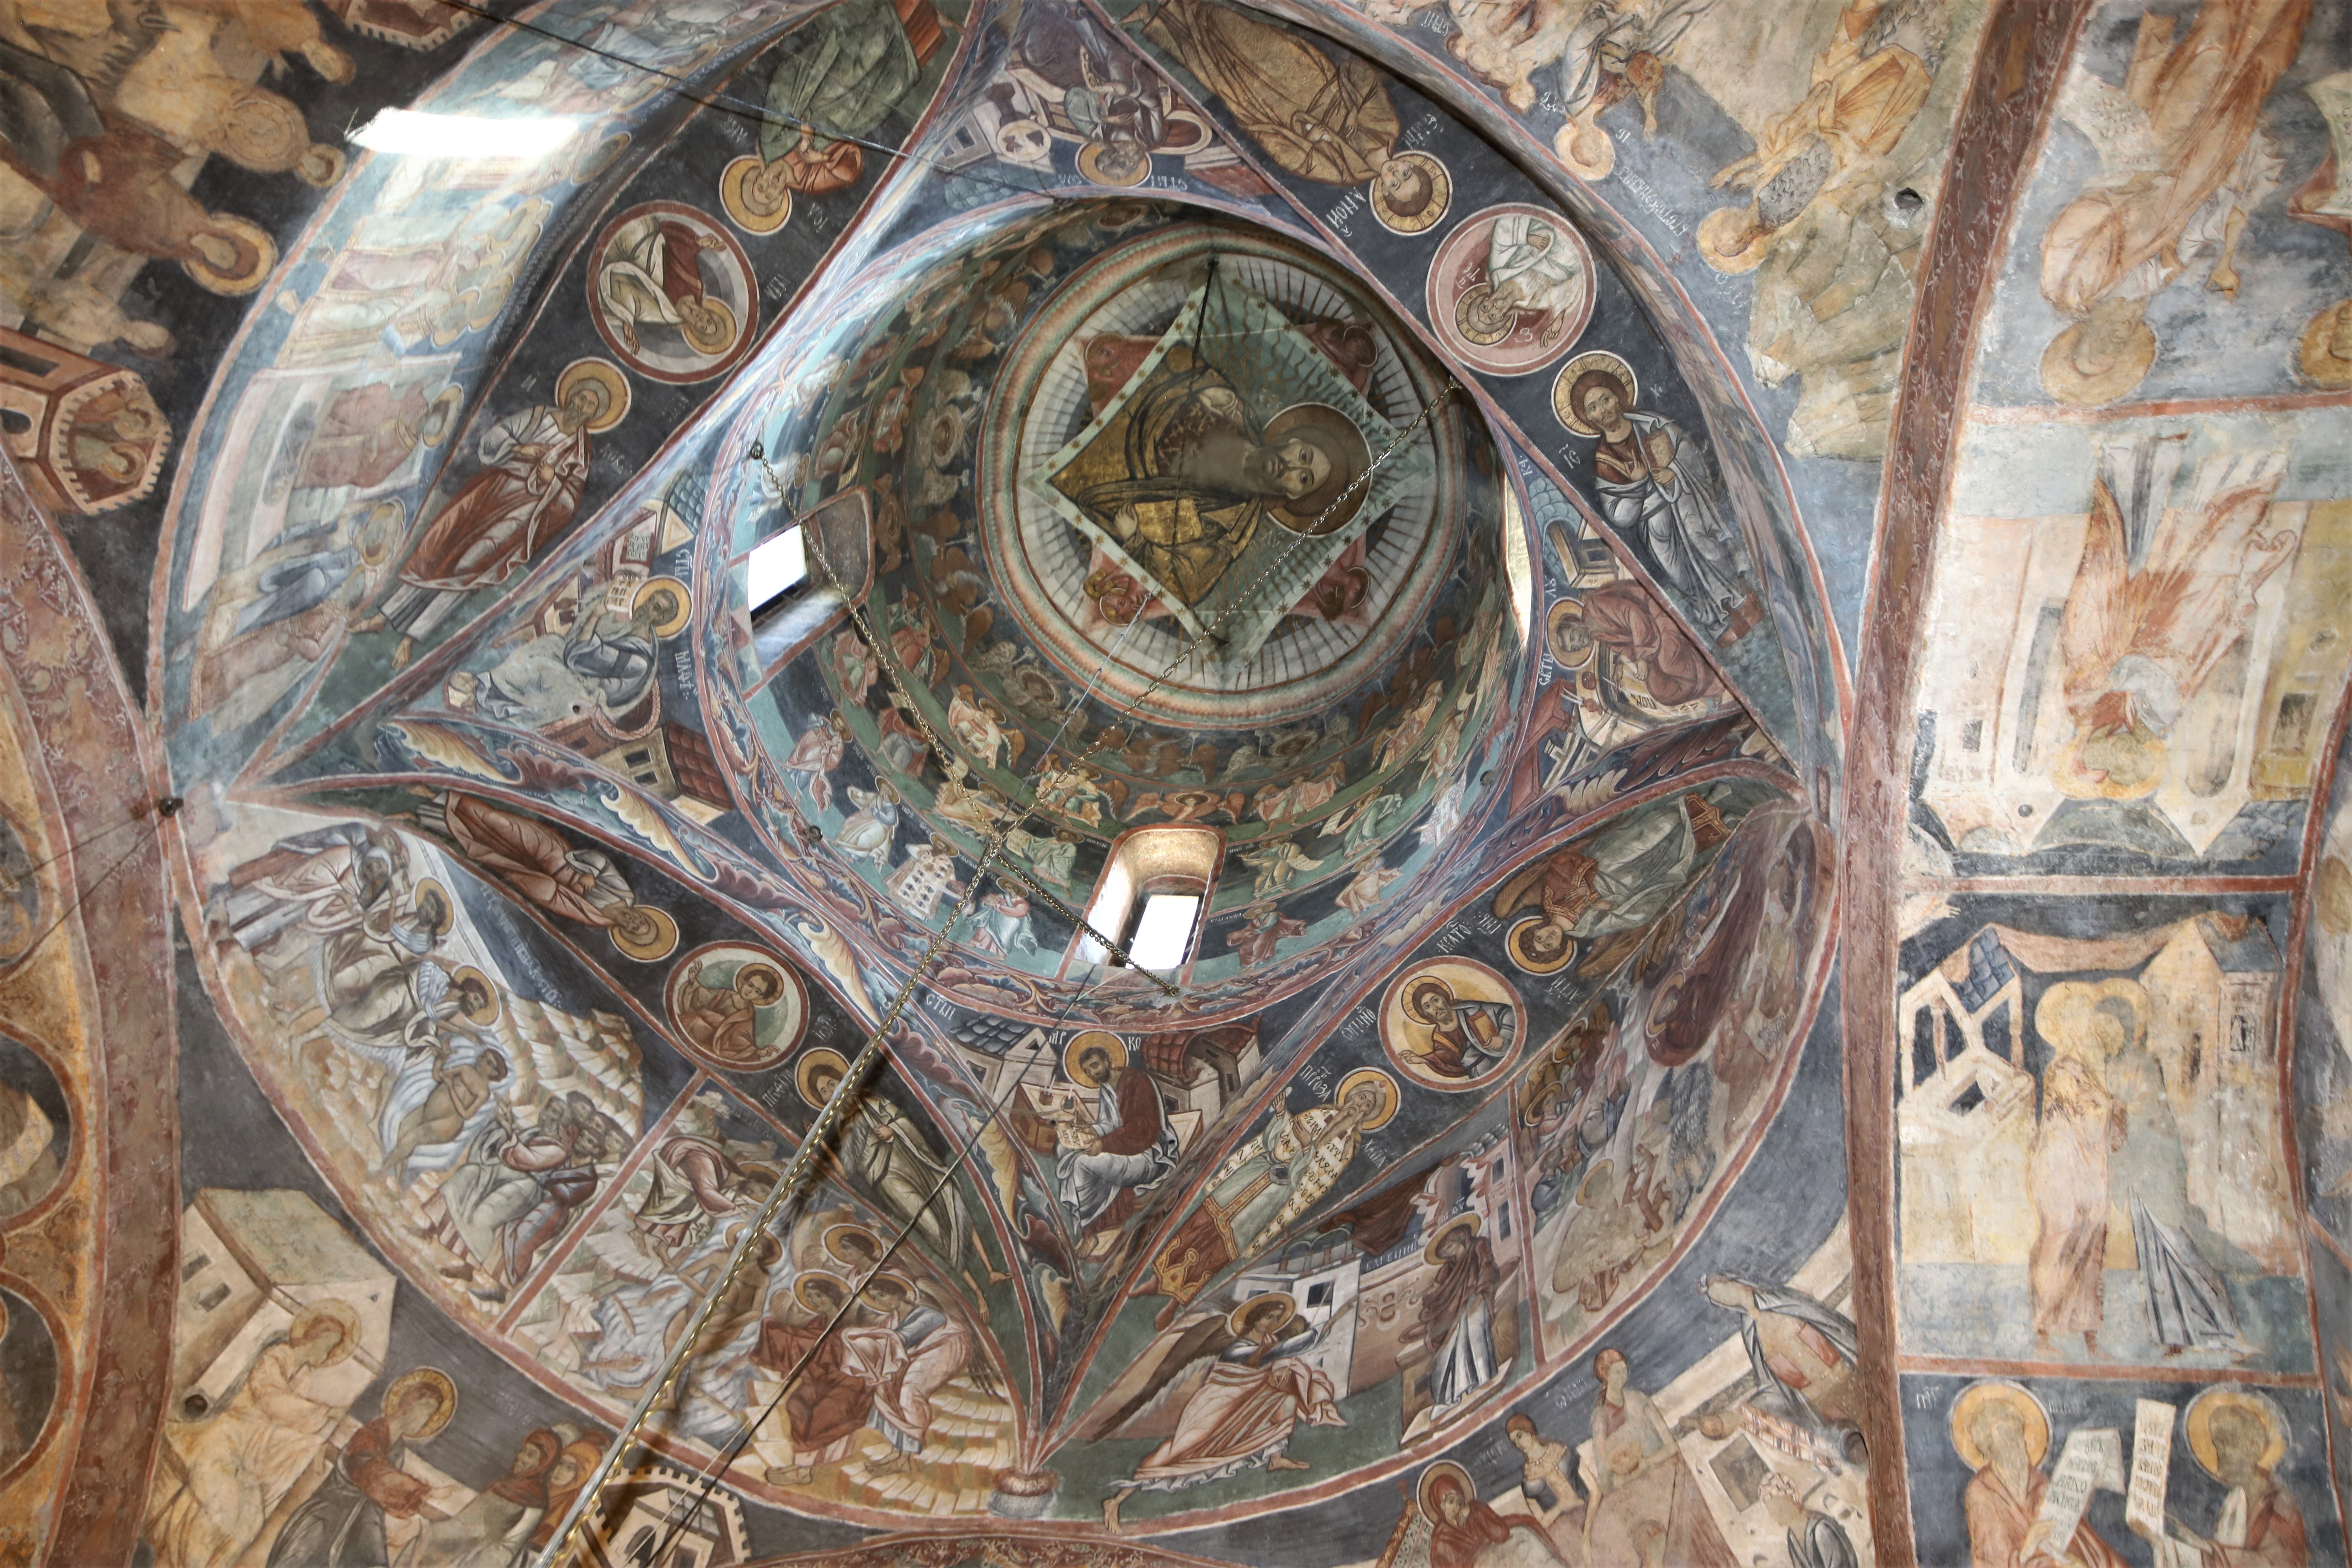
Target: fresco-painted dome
<point>1550,786</point>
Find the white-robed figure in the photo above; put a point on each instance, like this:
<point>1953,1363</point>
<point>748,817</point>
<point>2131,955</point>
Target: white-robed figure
<point>1657,486</point>
<point>1259,1388</point>
<point>1530,266</point>
<point>915,1351</point>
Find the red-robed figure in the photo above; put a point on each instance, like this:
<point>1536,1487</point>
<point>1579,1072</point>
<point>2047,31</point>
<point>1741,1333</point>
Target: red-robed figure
<point>534,466</point>
<point>1126,1143</point>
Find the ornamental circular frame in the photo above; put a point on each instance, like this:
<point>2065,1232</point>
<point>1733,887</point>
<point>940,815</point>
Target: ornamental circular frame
<point>737,291</point>
<point>791,1002</point>
<point>1464,979</point>
<point>1459,269</point>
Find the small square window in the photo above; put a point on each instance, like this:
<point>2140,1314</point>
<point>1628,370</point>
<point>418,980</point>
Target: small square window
<point>778,565</point>
<point>1163,935</point>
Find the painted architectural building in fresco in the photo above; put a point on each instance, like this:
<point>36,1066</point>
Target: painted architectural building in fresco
<point>1175,782</point>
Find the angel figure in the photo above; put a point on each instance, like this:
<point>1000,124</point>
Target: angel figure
<point>968,804</point>
<point>1190,804</point>
<point>1262,926</point>
<point>872,828</point>
<point>2160,596</point>
<point>2184,160</point>
<point>1277,862</point>
<point>1616,50</point>
<point>979,725</point>
<point>1257,1390</point>
<point>815,754</point>
<point>1075,793</point>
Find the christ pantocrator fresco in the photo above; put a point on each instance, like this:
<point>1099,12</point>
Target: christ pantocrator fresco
<point>1233,466</point>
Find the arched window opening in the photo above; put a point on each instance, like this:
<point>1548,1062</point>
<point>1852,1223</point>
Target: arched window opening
<point>1151,899</point>
<point>798,578</point>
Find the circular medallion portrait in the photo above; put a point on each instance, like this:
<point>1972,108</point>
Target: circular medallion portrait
<point>1511,288</point>
<point>1450,1024</point>
<point>672,293</point>
<point>1412,192</point>
<point>36,1129</point>
<point>29,1376</point>
<point>737,1009</point>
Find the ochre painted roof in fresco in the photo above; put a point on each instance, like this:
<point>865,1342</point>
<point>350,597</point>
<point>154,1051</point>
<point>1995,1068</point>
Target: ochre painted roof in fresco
<point>1528,786</point>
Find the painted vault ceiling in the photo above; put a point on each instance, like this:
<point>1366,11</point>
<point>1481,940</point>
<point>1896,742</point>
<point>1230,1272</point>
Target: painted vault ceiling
<point>1732,612</point>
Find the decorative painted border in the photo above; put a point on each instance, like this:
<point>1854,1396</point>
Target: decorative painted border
<point>2026,48</point>
<point>101,770</point>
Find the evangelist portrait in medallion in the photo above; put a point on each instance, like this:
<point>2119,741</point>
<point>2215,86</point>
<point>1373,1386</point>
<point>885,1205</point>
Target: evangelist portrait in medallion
<point>1450,1024</point>
<point>672,293</point>
<point>735,1009</point>
<point>1511,288</point>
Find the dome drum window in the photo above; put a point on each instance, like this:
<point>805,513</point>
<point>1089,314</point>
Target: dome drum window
<point>1151,898</point>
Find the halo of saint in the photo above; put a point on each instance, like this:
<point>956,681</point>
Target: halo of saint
<point>737,1008</point>
<point>1450,1024</point>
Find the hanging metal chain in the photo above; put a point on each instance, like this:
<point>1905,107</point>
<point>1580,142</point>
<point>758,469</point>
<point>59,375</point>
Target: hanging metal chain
<point>829,1117</point>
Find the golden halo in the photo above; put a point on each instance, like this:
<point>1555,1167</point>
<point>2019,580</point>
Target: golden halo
<point>1238,1318</point>
<point>320,165</point>
<point>2199,1424</point>
<point>257,254</point>
<point>2079,779</point>
<point>488,1013</point>
<point>822,1057</point>
<point>1978,1394</point>
<point>836,1235</point>
<point>1427,1484</point>
<point>431,1377</point>
<point>380,532</point>
<point>1588,151</point>
<point>2321,365</point>
<point>1441,196</point>
<point>1565,381</point>
<point>648,949</point>
<point>440,898</point>
<point>1468,1222</point>
<point>331,1309</point>
<point>1353,457</point>
<point>1463,309</point>
<point>740,211</point>
<point>604,374</point>
<point>440,417</point>
<point>591,161</point>
<point>1388,1093</point>
<point>2063,1014</point>
<point>1091,165</point>
<point>1079,1043</point>
<point>1563,620</point>
<point>2077,389</point>
<point>1596,1184</point>
<point>676,622</point>
<point>1515,944</point>
<point>905,1286</point>
<point>799,1290</point>
<point>711,345</point>
<point>1731,242</point>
